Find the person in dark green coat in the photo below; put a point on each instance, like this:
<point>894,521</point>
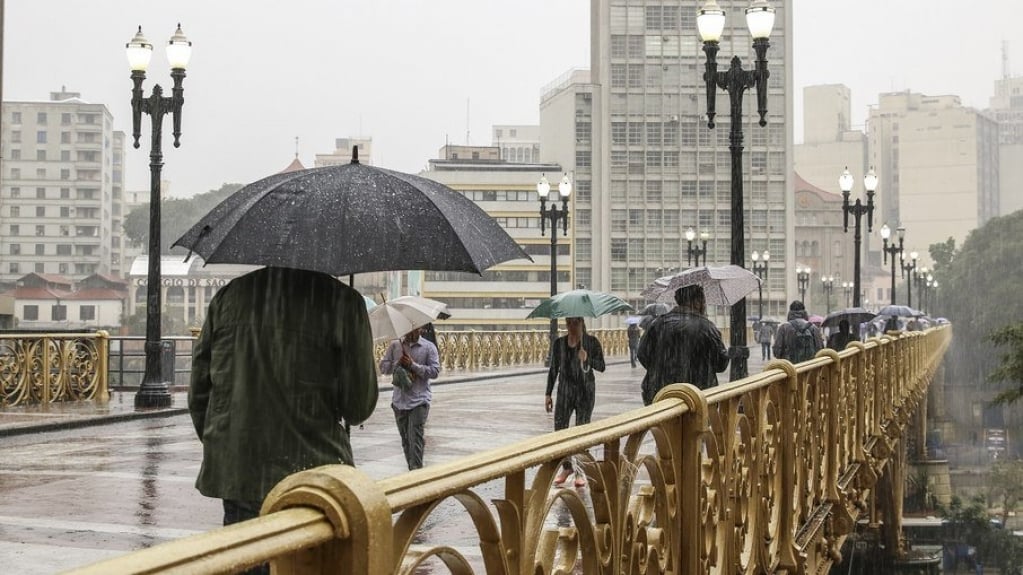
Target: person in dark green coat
<point>283,358</point>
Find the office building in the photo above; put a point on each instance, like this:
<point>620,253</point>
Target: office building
<point>518,143</point>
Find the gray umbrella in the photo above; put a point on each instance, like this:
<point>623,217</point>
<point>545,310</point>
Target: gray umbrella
<point>348,219</point>
<point>854,315</point>
<point>899,311</point>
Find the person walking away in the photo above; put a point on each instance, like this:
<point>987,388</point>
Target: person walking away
<point>764,335</point>
<point>797,340</point>
<point>634,335</point>
<point>411,403</point>
<point>682,346</point>
<point>841,338</point>
<point>574,358</point>
<point>283,356</point>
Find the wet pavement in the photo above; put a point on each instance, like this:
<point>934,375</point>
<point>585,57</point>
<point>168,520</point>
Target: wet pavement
<point>74,491</point>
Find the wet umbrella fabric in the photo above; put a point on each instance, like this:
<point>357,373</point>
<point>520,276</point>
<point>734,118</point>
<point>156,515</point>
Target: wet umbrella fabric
<point>655,309</point>
<point>579,303</point>
<point>815,319</point>
<point>349,219</point>
<point>854,315</point>
<point>899,311</point>
<point>393,319</point>
<point>722,285</point>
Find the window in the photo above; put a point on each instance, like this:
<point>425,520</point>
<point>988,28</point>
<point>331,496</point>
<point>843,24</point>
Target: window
<point>16,137</point>
<point>15,230</point>
<point>65,212</point>
<point>65,193</point>
<point>40,155</point>
<point>62,268</point>
<point>63,249</point>
<point>58,312</point>
<point>65,119</point>
<point>87,313</point>
<point>65,137</point>
<point>15,173</point>
<point>15,117</point>
<point>40,211</point>
<point>15,192</point>
<point>15,249</point>
<point>15,211</point>
<point>65,174</point>
<point>617,75</point>
<point>618,133</point>
<point>40,173</point>
<point>582,159</point>
<point>31,313</point>
<point>40,117</point>
<point>12,268</point>
<point>41,137</point>
<point>40,248</point>
<point>40,231</point>
<point>40,193</point>
<point>619,249</point>
<point>15,154</point>
<point>617,46</point>
<point>65,156</point>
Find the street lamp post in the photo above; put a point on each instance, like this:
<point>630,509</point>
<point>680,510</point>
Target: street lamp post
<point>920,277</point>
<point>696,252</point>
<point>154,390</point>
<point>760,268</point>
<point>891,250</point>
<point>553,213</point>
<point>803,279</point>
<point>847,288</point>
<point>711,23</point>
<point>907,272</point>
<point>828,283</point>
<point>858,210</point>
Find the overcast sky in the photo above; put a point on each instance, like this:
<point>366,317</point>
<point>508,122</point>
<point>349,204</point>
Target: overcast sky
<point>401,71</point>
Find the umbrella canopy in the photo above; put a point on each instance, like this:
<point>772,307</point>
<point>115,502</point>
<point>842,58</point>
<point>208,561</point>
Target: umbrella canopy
<point>579,303</point>
<point>348,219</point>
<point>633,320</point>
<point>899,311</point>
<point>656,287</point>
<point>370,304</point>
<point>815,319</point>
<point>393,319</point>
<point>655,309</point>
<point>854,315</point>
<point>722,285</point>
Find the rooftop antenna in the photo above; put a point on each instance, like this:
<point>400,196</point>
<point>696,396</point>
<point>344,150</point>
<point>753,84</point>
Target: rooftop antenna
<point>1005,60</point>
<point>296,147</point>
<point>467,142</point>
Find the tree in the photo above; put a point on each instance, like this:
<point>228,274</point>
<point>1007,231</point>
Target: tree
<point>942,253</point>
<point>1010,370</point>
<point>176,217</point>
<point>1005,482</point>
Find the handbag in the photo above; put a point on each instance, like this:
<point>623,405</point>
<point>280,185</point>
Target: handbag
<point>400,378</point>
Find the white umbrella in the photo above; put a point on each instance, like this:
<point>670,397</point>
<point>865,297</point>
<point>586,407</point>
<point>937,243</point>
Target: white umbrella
<point>393,319</point>
<point>722,285</point>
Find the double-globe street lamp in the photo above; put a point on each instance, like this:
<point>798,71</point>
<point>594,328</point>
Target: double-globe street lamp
<point>847,288</point>
<point>760,268</point>
<point>828,283</point>
<point>154,390</point>
<point>696,252</point>
<point>907,272</point>
<point>921,277</point>
<point>803,281</point>
<point>858,210</point>
<point>553,213</point>
<point>892,250</point>
<point>711,24</point>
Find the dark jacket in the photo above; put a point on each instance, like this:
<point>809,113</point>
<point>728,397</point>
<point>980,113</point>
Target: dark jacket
<point>565,368</point>
<point>681,347</point>
<point>785,338</point>
<point>283,356</point>
<point>838,340</point>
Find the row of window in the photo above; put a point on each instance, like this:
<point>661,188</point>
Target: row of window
<point>65,155</point>
<point>60,250</point>
<point>497,276</point>
<point>43,193</point>
<point>82,174</point>
<point>672,250</point>
<point>55,211</point>
<point>500,195</point>
<point>42,137</point>
<point>687,132</point>
<point>14,268</point>
<point>66,118</point>
<point>59,313</point>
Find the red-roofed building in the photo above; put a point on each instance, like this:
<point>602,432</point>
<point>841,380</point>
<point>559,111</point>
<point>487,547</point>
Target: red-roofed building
<point>294,166</point>
<point>48,301</point>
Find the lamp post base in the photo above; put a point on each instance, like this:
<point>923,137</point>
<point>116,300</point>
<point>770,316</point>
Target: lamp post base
<point>153,395</point>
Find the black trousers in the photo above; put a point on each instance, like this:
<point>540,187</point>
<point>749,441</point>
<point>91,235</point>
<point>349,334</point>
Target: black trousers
<point>412,428</point>
<point>238,511</point>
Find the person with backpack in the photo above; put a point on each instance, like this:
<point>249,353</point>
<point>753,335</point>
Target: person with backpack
<point>797,340</point>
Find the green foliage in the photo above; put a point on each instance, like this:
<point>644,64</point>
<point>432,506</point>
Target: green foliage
<point>176,216</point>
<point>1010,370</point>
<point>942,253</point>
<point>1005,485</point>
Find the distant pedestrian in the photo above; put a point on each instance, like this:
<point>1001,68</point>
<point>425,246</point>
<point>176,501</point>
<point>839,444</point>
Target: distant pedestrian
<point>634,335</point>
<point>797,340</point>
<point>841,338</point>
<point>682,346</point>
<point>764,334</point>
<point>283,356</point>
<point>430,335</point>
<point>411,403</point>
<point>574,358</point>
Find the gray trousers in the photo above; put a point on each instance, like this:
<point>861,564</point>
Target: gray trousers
<point>411,426</point>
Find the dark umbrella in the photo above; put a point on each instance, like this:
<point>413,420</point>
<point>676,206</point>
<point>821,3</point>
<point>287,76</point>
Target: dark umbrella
<point>854,315</point>
<point>351,218</point>
<point>651,311</point>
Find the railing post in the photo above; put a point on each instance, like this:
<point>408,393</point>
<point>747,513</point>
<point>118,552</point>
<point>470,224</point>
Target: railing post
<point>786,560</point>
<point>473,360</point>
<point>103,350</point>
<point>45,371</point>
<point>688,462</point>
<point>357,508</point>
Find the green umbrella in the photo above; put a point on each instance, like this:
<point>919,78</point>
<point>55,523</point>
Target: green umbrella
<point>580,303</point>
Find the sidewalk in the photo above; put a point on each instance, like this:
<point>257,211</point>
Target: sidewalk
<point>21,420</point>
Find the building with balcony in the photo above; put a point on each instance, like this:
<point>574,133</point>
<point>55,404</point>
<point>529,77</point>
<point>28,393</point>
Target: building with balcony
<point>518,143</point>
<point>57,199</point>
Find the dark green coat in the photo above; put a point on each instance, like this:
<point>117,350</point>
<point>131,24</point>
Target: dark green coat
<point>283,356</point>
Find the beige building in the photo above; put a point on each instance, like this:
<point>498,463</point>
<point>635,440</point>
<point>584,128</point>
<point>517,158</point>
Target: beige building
<point>937,164</point>
<point>342,153</point>
<point>1007,107</point>
<point>647,168</point>
<point>62,173</point>
<point>518,143</point>
<point>502,296</point>
<point>829,145</point>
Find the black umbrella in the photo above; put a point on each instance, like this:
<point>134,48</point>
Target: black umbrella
<point>899,311</point>
<point>348,219</point>
<point>854,315</point>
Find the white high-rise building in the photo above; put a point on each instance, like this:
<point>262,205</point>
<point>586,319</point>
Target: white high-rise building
<point>518,143</point>
<point>1007,107</point>
<point>634,130</point>
<point>63,164</point>
<point>342,153</point>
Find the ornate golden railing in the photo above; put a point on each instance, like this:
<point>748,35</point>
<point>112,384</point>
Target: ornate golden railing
<point>765,475</point>
<point>43,368</point>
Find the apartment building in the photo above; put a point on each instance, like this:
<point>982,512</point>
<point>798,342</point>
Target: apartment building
<point>342,153</point>
<point>57,199</point>
<point>1006,106</point>
<point>518,143</point>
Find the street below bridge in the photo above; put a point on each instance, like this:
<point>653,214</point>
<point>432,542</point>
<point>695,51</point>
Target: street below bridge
<point>71,497</point>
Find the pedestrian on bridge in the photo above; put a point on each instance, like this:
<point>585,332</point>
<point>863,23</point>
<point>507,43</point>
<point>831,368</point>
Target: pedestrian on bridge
<point>283,356</point>
<point>411,403</point>
<point>574,358</point>
<point>682,346</point>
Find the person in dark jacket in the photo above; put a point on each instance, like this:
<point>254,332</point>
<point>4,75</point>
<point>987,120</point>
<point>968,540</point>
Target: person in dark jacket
<point>841,338</point>
<point>682,346</point>
<point>284,355</point>
<point>574,358</point>
<point>634,334</point>
<point>785,338</point>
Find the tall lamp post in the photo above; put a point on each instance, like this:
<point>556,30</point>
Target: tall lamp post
<point>858,210</point>
<point>907,272</point>
<point>803,278</point>
<point>696,252</point>
<point>847,288</point>
<point>155,389</point>
<point>553,213</point>
<point>920,278</point>
<point>711,23</point>
<point>892,250</point>
<point>828,283</point>
<point>760,268</point>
